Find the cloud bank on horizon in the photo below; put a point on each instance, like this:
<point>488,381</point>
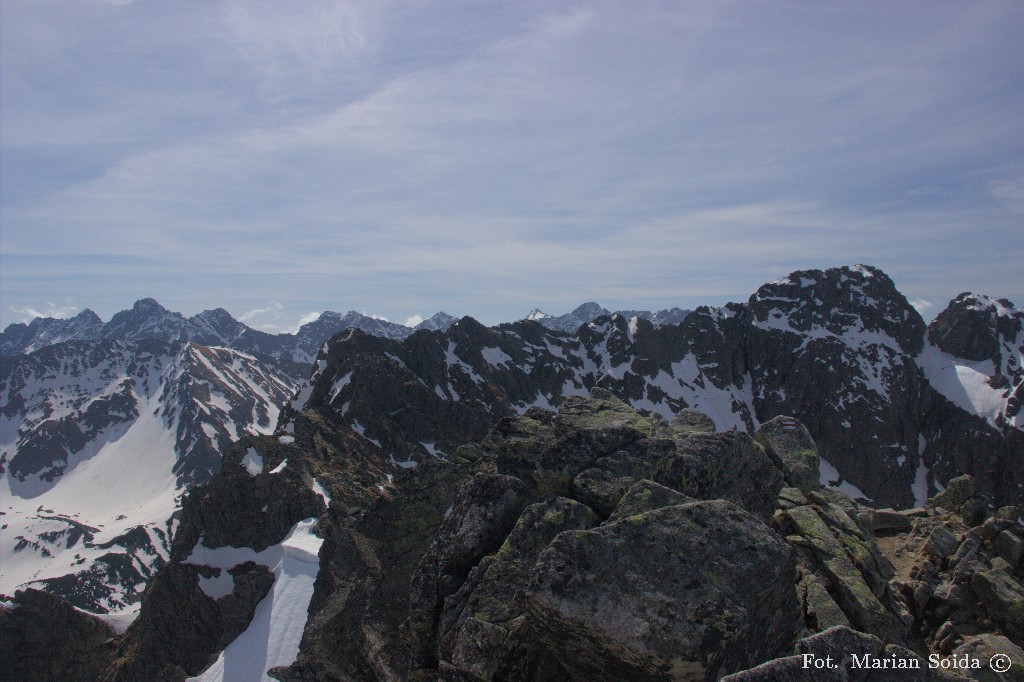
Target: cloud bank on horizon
<point>486,158</point>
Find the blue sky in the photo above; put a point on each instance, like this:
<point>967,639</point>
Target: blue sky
<point>401,158</point>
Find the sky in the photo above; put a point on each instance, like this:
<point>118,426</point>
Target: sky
<point>486,158</point>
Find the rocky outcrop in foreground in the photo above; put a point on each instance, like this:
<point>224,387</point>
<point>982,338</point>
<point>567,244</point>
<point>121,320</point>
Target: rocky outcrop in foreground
<point>592,543</point>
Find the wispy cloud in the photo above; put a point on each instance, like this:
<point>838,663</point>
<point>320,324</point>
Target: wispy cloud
<point>1011,192</point>
<point>60,312</point>
<point>272,307</point>
<point>922,306</point>
<point>490,158</point>
<point>311,316</point>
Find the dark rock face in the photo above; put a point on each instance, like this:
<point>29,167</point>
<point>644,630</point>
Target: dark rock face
<point>459,560</point>
<point>791,447</point>
<point>836,350</point>
<point>645,496</point>
<point>482,518</point>
<point>692,421</point>
<point>483,626</point>
<point>944,580</point>
<point>840,554</point>
<point>728,465</point>
<point>239,509</point>
<point>394,401</point>
<point>693,590</point>
<point>43,638</point>
<point>362,592</point>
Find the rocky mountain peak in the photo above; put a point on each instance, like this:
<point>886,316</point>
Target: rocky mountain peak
<point>149,305</point>
<point>590,310</point>
<point>439,321</point>
<point>217,315</point>
<point>44,331</point>
<point>839,301</point>
<point>145,319</point>
<point>468,328</point>
<point>974,326</point>
<point>214,327</point>
<point>86,318</point>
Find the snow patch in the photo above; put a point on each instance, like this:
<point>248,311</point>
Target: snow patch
<point>965,384</point>
<point>361,430</point>
<point>496,357</point>
<point>120,620</point>
<point>431,448</point>
<point>322,492</point>
<point>340,385</point>
<point>830,476</point>
<point>408,464</point>
<point>217,586</point>
<point>252,462</point>
<point>920,485</point>
<point>272,638</point>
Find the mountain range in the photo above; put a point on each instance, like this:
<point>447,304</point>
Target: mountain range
<point>135,451</point>
<point>147,319</point>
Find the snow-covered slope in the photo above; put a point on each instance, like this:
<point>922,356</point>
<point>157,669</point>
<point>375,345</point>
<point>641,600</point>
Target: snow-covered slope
<point>98,442</point>
<point>104,526</point>
<point>968,385</point>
